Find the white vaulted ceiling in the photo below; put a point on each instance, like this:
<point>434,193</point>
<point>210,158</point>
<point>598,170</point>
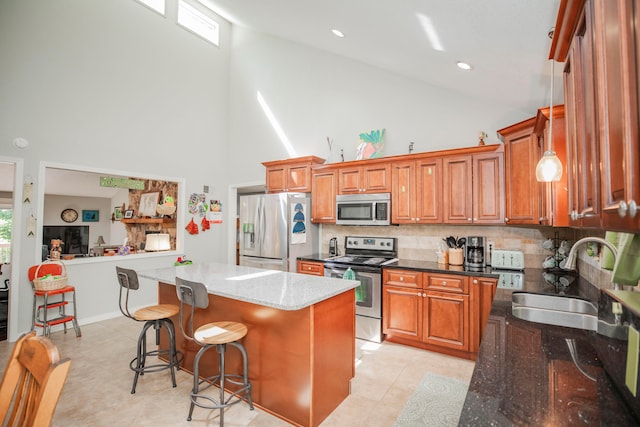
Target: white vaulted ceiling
<point>505,40</point>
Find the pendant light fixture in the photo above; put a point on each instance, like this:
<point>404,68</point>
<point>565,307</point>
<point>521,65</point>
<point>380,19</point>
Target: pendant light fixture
<point>549,168</point>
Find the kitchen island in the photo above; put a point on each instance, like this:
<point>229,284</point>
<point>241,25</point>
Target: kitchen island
<point>300,340</point>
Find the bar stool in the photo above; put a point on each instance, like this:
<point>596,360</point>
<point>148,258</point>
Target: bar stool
<point>155,316</point>
<point>213,335</point>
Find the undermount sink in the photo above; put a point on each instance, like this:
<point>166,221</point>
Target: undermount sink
<point>555,310</point>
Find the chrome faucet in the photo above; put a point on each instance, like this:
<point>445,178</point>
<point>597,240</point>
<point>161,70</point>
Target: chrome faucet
<point>572,257</point>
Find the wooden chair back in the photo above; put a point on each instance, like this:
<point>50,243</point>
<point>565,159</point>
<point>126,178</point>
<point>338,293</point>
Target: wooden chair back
<point>32,382</point>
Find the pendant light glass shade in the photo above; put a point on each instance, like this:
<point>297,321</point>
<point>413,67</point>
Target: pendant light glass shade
<point>549,167</point>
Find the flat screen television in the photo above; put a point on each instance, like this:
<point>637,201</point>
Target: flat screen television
<point>75,238</point>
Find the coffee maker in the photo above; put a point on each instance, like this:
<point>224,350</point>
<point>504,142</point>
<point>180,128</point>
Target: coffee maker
<point>475,252</point>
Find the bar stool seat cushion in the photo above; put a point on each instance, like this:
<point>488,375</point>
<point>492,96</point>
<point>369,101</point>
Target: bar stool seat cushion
<point>156,312</point>
<point>220,333</point>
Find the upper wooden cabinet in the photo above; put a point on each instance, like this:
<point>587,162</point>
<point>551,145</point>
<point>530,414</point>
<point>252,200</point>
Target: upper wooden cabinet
<point>523,196</point>
<point>291,175</point>
<point>599,41</point>
<point>488,188</point>
<point>527,200</point>
<point>474,188</point>
<point>416,191</point>
<point>372,177</point>
<point>323,194</point>
<point>582,149</point>
<point>617,42</point>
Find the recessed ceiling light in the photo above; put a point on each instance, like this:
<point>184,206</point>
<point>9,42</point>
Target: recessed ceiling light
<point>464,65</point>
<point>338,33</point>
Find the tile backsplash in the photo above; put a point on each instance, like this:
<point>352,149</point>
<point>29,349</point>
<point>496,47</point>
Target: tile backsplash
<point>420,242</point>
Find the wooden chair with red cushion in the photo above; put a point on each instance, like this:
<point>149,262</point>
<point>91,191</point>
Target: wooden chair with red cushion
<point>43,302</point>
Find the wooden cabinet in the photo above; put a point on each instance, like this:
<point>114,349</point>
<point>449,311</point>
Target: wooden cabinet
<point>446,320</point>
<point>617,97</point>
<point>482,291</point>
<point>291,175</point>
<point>457,197</point>
<point>582,150</point>
<point>416,191</point>
<point>524,194</point>
<point>488,188</point>
<point>474,188</point>
<point>599,41</point>
<point>427,310</point>
<point>311,267</point>
<point>323,195</point>
<point>402,304</point>
<point>372,177</point>
<point>528,201</point>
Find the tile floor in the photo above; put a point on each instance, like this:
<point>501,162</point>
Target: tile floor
<point>97,390</point>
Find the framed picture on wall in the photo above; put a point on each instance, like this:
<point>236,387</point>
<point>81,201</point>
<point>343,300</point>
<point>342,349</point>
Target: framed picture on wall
<point>117,213</point>
<point>128,214</point>
<point>148,203</point>
<point>90,215</point>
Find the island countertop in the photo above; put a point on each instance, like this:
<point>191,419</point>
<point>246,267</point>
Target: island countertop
<point>270,288</point>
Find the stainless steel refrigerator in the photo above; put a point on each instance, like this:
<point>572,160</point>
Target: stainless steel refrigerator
<point>275,229</point>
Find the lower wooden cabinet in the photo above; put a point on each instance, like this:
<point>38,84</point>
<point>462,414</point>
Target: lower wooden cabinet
<point>483,289</point>
<point>445,320</point>
<point>435,311</point>
<point>404,312</point>
<point>311,267</point>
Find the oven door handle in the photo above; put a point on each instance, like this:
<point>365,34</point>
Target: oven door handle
<point>339,272</point>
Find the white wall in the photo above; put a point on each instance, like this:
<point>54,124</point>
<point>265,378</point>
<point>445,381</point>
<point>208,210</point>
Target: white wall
<point>111,85</point>
<point>315,94</point>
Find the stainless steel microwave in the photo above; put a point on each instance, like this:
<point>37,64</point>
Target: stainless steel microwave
<point>363,209</point>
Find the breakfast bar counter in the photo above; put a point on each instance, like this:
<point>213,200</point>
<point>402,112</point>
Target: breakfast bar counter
<point>300,340</point>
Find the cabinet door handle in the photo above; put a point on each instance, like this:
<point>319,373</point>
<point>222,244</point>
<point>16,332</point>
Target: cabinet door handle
<point>633,208</point>
<point>469,219</point>
<point>475,282</point>
<point>444,283</point>
<point>401,278</point>
<point>622,209</point>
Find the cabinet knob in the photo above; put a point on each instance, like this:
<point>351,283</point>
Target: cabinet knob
<point>633,208</point>
<point>444,283</point>
<point>506,220</point>
<point>622,209</point>
<point>475,282</point>
<point>401,278</point>
<point>469,219</point>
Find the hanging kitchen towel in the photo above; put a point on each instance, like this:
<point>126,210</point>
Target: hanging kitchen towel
<point>626,270</point>
<point>606,261</point>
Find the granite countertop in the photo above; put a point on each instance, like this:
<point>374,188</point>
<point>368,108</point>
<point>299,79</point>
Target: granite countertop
<point>270,288</point>
<point>428,266</point>
<point>525,373</point>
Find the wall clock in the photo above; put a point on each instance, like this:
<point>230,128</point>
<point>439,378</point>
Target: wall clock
<point>69,215</point>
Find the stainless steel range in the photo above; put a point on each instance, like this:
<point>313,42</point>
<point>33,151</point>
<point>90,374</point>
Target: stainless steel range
<point>365,256</point>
